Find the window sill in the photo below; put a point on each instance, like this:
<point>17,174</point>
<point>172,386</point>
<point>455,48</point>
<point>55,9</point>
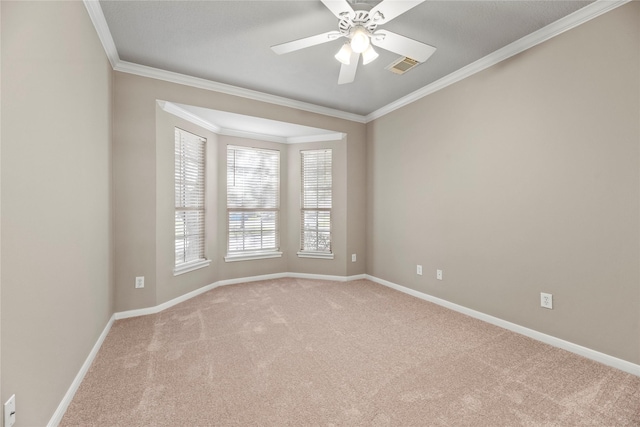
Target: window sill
<point>194,265</point>
<point>252,256</point>
<point>318,255</point>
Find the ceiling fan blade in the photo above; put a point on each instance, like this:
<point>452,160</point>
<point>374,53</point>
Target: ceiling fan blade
<point>305,42</point>
<point>402,45</point>
<point>348,72</point>
<point>338,7</point>
<point>390,9</point>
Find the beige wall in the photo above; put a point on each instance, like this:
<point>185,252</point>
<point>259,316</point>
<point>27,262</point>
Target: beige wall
<point>522,179</point>
<point>1,203</point>
<point>56,201</point>
<point>169,286</point>
<point>339,210</point>
<point>143,192</point>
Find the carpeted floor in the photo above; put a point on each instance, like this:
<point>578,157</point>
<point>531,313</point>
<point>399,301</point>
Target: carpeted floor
<point>307,352</point>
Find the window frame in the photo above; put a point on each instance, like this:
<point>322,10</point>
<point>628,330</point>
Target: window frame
<point>182,138</point>
<point>319,202</point>
<point>266,204</point>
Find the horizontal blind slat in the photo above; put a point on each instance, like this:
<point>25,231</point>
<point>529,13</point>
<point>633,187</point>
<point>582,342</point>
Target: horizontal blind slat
<point>316,200</point>
<point>253,199</point>
<point>189,187</point>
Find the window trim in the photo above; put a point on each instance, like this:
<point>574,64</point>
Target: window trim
<point>255,254</point>
<point>248,256</point>
<point>314,253</point>
<point>191,266</point>
<point>194,264</point>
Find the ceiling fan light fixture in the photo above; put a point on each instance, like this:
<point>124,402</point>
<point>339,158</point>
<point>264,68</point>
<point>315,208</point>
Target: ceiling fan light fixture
<point>344,54</point>
<point>359,31</point>
<point>359,40</point>
<point>369,55</point>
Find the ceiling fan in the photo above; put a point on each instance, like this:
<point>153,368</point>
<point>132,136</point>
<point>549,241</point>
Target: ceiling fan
<point>360,29</point>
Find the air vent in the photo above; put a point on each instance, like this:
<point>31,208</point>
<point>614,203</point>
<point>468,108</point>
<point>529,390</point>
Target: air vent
<point>402,65</point>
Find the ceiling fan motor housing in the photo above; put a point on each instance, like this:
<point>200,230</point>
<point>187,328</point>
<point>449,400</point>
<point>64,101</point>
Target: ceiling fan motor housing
<point>360,28</point>
<point>360,18</point>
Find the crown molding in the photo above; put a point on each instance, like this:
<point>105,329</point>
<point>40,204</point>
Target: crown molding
<point>252,135</point>
<point>558,27</point>
<point>573,20</point>
<point>100,24</point>
<point>169,76</point>
<point>172,108</point>
<point>336,136</point>
<point>178,111</point>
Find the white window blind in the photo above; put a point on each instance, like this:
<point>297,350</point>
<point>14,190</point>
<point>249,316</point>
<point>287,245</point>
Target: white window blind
<point>316,201</point>
<point>253,200</point>
<point>189,199</point>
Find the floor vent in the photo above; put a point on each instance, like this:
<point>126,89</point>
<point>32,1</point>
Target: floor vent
<point>402,65</point>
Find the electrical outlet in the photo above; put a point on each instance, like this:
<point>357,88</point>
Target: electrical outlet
<point>139,282</point>
<point>419,270</point>
<point>10,411</point>
<point>353,257</point>
<point>546,300</point>
<point>439,274</point>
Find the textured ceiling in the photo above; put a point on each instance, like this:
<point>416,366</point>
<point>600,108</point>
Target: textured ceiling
<point>229,42</point>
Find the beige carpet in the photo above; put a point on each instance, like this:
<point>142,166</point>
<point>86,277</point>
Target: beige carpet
<point>304,352</point>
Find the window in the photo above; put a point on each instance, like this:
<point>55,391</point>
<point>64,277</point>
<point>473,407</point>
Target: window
<point>315,233</point>
<point>189,202</point>
<point>253,203</point>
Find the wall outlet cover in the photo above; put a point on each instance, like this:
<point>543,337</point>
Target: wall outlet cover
<point>10,411</point>
<point>439,274</point>
<point>546,300</point>
<point>419,270</point>
<point>139,282</point>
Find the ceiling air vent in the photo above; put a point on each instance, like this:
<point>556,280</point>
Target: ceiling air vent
<point>402,65</point>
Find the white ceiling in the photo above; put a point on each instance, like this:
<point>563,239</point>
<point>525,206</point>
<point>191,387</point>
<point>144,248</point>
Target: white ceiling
<point>229,42</point>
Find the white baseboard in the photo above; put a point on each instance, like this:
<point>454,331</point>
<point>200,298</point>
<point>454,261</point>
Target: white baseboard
<point>605,359</point>
<point>325,277</point>
<point>158,308</point>
<point>68,397</point>
<point>192,294</point>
